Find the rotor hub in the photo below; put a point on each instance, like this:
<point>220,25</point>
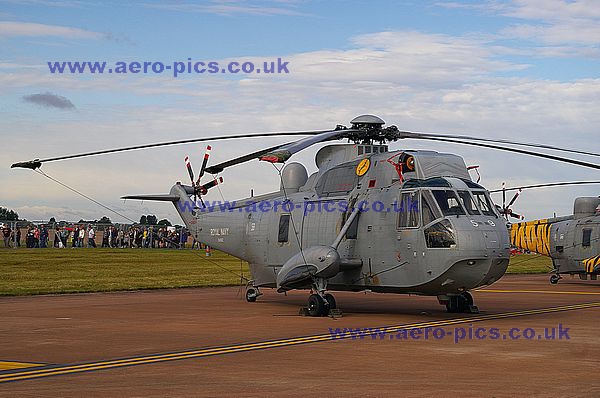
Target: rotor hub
<point>371,129</point>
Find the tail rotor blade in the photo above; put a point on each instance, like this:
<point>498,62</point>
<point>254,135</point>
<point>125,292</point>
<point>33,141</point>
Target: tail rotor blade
<point>515,215</point>
<point>188,165</point>
<point>204,163</point>
<point>204,188</point>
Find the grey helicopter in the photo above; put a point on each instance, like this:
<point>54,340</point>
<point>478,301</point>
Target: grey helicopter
<point>572,242</point>
<point>370,219</point>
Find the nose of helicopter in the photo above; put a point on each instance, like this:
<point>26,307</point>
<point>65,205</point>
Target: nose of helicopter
<point>482,256</point>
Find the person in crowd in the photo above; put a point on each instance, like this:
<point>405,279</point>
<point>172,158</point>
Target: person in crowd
<point>6,233</point>
<point>18,240</point>
<point>57,232</point>
<point>64,236</point>
<point>113,236</point>
<point>161,237</point>
<point>120,238</point>
<point>43,236</point>
<point>29,238</point>
<point>91,236</point>
<point>36,237</point>
<point>105,237</point>
<point>74,236</point>
<point>183,238</point>
<point>81,240</point>
<point>153,237</point>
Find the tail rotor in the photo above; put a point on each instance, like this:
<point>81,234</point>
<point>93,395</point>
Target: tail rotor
<point>199,189</point>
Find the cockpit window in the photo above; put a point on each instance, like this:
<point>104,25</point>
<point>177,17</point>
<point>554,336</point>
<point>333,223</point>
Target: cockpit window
<point>430,182</point>
<point>448,202</point>
<point>468,202</point>
<point>483,202</point>
<point>472,184</point>
<point>428,208</point>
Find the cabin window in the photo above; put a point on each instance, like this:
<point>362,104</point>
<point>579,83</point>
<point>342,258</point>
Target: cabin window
<point>339,180</point>
<point>409,210</point>
<point>587,238</point>
<point>468,202</point>
<point>284,228</point>
<point>448,202</point>
<point>483,203</point>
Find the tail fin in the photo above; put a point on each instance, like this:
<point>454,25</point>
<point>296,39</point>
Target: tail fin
<point>180,198</point>
<point>532,235</point>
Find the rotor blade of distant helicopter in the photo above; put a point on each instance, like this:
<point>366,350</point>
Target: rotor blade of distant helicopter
<point>497,141</point>
<point>419,136</point>
<point>36,163</point>
<point>553,184</point>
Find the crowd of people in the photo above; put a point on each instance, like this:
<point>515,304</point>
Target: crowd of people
<point>82,235</point>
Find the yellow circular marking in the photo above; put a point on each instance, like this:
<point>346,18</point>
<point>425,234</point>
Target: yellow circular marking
<point>363,167</point>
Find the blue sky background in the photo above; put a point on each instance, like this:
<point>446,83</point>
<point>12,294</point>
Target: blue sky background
<point>522,69</point>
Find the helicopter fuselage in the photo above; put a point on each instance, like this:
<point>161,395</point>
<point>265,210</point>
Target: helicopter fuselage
<point>427,230</point>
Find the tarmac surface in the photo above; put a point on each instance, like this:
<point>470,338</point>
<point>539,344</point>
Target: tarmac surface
<point>211,342</point>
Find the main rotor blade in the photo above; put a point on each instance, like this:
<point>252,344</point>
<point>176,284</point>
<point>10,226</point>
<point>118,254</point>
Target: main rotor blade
<point>281,153</point>
<point>553,184</point>
<point>514,198</point>
<point>502,141</point>
<point>406,134</point>
<point>242,159</point>
<point>34,164</point>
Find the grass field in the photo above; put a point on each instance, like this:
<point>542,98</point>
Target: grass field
<point>529,264</point>
<point>44,271</point>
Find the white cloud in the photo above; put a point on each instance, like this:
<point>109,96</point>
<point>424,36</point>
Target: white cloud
<point>232,7</point>
<point>15,29</point>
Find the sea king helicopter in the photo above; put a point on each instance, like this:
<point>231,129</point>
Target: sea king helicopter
<point>405,221</point>
<point>572,242</point>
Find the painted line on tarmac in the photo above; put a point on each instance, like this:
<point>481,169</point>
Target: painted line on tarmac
<point>536,291</point>
<point>11,365</point>
<point>56,370</point>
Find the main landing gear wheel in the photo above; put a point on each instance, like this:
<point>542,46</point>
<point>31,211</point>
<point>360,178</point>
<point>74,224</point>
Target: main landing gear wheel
<point>554,279</point>
<point>331,301</point>
<point>317,305</point>
<point>252,294</point>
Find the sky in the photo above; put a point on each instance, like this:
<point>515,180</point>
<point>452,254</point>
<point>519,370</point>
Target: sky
<point>524,70</point>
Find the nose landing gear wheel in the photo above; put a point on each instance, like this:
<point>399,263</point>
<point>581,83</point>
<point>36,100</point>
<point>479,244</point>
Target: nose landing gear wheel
<point>251,295</point>
<point>461,303</point>
<point>554,279</point>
